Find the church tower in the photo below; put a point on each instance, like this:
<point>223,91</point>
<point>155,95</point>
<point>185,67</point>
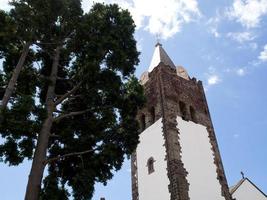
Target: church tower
<point>178,156</point>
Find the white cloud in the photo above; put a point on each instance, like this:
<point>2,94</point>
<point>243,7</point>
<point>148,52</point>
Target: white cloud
<point>4,5</point>
<point>241,36</point>
<point>248,12</point>
<point>241,72</point>
<point>213,80</point>
<point>213,24</point>
<point>263,54</point>
<point>214,31</point>
<point>161,17</point>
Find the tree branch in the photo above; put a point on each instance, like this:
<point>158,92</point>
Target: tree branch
<point>61,78</point>
<point>53,135</point>
<point>60,117</point>
<point>59,157</point>
<point>15,74</point>
<point>66,95</point>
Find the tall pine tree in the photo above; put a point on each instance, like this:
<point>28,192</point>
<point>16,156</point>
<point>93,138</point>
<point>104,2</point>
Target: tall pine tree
<point>75,100</point>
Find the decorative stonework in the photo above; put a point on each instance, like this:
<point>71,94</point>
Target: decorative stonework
<point>144,78</point>
<point>176,172</point>
<point>218,162</point>
<point>182,72</point>
<point>164,90</point>
<point>134,177</point>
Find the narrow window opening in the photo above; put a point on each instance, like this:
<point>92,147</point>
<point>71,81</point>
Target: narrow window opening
<point>193,114</point>
<point>150,165</point>
<point>143,122</point>
<point>182,109</point>
<point>152,115</point>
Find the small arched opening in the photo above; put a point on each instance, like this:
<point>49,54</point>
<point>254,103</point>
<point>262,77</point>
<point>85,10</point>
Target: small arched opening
<point>183,112</point>
<point>150,165</point>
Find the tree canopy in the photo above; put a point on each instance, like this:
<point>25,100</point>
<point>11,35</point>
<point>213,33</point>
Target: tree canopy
<point>75,100</point>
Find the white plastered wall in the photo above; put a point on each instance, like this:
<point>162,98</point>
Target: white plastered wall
<point>197,157</point>
<point>246,191</point>
<point>152,186</point>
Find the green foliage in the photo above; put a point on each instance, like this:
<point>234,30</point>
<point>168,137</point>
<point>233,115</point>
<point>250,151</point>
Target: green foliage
<point>52,190</point>
<point>7,31</point>
<point>98,54</point>
<point>19,130</point>
<point>109,126</point>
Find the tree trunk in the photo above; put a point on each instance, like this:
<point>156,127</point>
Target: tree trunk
<point>38,163</point>
<point>11,84</point>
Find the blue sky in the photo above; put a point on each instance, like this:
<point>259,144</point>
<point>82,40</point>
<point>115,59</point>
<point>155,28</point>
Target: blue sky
<point>224,44</point>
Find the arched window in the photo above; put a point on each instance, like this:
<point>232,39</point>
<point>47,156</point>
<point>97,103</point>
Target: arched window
<point>143,122</point>
<point>182,109</point>
<point>193,114</point>
<point>152,115</point>
<point>150,165</point>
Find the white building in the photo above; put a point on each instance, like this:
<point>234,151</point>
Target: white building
<point>247,190</point>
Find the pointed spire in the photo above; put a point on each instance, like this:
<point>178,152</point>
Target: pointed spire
<point>160,55</point>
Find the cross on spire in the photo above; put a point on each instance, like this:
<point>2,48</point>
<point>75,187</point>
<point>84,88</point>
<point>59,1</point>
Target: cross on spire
<point>158,40</point>
<point>242,174</point>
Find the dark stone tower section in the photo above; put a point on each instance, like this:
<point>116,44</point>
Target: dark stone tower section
<point>134,177</point>
<point>170,93</point>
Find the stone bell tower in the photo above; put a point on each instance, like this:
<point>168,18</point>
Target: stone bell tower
<point>178,156</point>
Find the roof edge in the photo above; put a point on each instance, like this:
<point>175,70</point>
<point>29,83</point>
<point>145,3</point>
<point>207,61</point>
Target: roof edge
<point>242,181</point>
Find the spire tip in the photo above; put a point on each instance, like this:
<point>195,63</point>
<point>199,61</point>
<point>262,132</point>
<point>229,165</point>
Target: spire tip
<point>158,40</point>
<point>158,44</point>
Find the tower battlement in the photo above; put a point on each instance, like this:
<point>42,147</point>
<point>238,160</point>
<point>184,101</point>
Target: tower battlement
<point>188,92</point>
